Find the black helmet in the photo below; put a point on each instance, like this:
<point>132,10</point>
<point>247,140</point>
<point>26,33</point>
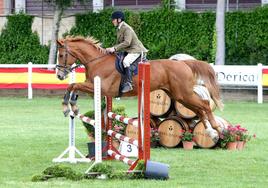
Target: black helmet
<point>117,15</point>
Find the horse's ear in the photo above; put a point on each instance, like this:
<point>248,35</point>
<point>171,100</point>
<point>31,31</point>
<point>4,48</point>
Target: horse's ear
<point>60,42</point>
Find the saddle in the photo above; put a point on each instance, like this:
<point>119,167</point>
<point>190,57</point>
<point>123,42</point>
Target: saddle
<point>120,68</point>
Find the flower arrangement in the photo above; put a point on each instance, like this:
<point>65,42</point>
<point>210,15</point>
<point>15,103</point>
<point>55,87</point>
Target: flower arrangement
<point>229,134</point>
<point>187,135</point>
<point>234,133</point>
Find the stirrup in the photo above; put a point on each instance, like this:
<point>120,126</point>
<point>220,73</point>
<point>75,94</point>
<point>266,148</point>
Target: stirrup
<point>128,87</point>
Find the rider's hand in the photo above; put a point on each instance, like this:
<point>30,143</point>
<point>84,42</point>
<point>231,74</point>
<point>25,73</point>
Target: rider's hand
<point>110,50</point>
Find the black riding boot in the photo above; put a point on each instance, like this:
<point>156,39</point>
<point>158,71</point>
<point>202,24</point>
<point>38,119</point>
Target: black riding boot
<point>128,84</point>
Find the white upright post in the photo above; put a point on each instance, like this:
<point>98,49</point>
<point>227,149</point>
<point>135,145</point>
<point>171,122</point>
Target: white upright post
<point>30,74</point>
<point>260,89</point>
<point>181,4</point>
<point>97,106</point>
<point>71,150</point>
<point>97,5</point>
<point>264,2</point>
<point>20,5</point>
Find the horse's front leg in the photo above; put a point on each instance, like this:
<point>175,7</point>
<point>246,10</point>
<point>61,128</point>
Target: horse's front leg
<point>65,103</point>
<point>73,102</point>
<point>71,96</point>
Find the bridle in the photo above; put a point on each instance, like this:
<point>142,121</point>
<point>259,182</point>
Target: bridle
<point>67,68</point>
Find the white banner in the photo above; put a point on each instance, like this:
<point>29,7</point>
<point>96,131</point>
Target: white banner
<point>237,75</point>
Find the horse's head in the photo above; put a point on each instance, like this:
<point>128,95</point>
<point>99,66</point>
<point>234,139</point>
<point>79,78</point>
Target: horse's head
<point>65,60</point>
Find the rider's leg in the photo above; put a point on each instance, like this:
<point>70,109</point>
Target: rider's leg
<point>128,60</point>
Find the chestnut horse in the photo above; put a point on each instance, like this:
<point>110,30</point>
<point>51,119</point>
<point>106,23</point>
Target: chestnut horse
<point>178,78</point>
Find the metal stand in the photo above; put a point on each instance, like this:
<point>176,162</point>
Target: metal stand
<point>71,150</point>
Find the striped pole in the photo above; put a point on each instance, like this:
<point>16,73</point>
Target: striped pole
<point>120,157</point>
<point>84,118</point>
<point>123,119</point>
<point>123,138</point>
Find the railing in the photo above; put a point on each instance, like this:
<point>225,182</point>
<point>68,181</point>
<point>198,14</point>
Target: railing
<point>43,82</point>
<point>228,75</point>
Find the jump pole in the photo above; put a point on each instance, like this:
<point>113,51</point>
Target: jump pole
<point>97,123</point>
<point>143,118</point>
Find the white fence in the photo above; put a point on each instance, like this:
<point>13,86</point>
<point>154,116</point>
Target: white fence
<point>230,75</point>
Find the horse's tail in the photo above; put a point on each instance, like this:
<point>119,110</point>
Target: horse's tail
<point>204,72</point>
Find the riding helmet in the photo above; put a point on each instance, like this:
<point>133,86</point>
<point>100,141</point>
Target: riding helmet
<point>117,15</point>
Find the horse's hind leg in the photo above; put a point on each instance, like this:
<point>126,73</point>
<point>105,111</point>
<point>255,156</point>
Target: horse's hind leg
<point>203,111</point>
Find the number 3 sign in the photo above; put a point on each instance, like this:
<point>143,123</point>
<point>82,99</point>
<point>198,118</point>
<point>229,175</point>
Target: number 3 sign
<point>128,150</point>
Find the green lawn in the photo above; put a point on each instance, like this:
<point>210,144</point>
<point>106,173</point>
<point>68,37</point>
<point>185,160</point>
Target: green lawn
<point>33,132</point>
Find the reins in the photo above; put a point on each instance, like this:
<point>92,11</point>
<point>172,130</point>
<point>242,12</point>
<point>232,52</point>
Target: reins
<point>70,69</point>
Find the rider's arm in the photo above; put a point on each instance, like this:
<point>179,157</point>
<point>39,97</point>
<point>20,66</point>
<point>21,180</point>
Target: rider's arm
<point>126,42</point>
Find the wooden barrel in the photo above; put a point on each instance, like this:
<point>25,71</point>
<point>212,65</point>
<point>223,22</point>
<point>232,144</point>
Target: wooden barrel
<point>160,103</point>
<point>170,130</point>
<point>132,131</point>
<point>192,122</point>
<point>223,123</point>
<point>202,139</point>
<point>184,112</point>
<point>154,122</point>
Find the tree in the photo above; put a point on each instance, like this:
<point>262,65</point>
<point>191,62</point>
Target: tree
<point>220,17</point>
<point>59,7</point>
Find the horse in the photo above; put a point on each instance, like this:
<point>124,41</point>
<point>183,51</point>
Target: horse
<point>177,78</point>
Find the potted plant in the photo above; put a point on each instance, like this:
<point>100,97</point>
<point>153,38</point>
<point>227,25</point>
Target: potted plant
<point>229,137</point>
<point>187,138</point>
<point>154,137</point>
<point>242,137</point>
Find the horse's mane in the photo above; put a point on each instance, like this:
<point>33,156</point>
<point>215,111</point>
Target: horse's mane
<point>90,40</point>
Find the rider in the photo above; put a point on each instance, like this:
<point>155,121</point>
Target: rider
<point>127,41</point>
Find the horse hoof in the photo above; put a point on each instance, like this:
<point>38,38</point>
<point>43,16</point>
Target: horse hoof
<point>66,112</point>
<point>75,109</point>
<point>76,112</point>
<point>213,134</point>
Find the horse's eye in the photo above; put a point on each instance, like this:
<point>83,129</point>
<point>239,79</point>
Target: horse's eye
<point>61,55</point>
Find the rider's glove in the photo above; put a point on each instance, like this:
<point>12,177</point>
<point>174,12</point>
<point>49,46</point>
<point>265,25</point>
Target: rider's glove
<point>110,50</point>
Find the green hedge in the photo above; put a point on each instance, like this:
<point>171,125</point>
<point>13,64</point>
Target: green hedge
<point>164,32</point>
<point>18,44</point>
<point>247,37</point>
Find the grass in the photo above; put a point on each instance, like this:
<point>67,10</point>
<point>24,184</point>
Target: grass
<point>33,132</point>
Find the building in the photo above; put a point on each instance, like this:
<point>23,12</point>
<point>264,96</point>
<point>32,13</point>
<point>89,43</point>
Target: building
<point>43,11</point>
<point>41,7</point>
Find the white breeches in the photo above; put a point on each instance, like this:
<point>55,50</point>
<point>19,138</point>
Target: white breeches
<point>130,58</point>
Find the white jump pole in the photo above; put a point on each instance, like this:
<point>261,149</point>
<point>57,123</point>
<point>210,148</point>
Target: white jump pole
<point>97,106</point>
<point>71,150</point>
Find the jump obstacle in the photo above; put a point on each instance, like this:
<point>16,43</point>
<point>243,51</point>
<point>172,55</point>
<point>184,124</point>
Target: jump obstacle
<point>153,169</point>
